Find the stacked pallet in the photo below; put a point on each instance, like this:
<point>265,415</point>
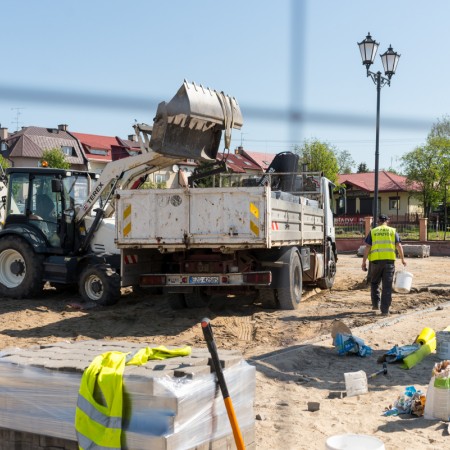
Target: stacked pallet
<point>169,404</point>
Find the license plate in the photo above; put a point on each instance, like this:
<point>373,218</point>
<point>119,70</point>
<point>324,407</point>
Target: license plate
<point>203,280</point>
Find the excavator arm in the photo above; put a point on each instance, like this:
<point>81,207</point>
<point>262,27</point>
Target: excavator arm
<point>188,127</point>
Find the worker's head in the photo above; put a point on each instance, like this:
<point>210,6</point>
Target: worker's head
<point>382,218</point>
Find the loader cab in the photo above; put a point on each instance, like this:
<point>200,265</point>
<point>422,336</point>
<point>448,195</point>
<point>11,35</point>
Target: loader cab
<point>45,200</point>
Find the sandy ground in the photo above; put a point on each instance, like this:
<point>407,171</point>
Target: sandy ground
<point>292,350</point>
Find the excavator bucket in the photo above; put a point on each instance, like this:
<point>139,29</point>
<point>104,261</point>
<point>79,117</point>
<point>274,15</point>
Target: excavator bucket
<point>191,124</point>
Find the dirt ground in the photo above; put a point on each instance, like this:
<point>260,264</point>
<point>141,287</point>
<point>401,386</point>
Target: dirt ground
<point>58,315</point>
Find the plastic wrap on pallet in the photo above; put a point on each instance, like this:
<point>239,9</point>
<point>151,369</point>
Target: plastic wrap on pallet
<point>162,413</point>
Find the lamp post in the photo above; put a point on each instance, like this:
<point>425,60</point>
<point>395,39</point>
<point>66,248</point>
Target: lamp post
<point>368,48</point>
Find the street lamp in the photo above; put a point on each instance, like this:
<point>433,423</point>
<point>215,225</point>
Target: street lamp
<point>368,48</point>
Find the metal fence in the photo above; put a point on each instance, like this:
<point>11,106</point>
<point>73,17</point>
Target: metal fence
<point>408,231</point>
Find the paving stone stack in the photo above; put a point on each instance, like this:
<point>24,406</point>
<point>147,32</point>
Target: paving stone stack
<point>168,404</point>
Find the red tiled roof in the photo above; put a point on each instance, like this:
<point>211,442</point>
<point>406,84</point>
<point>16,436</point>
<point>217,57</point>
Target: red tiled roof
<point>96,141</point>
<point>260,158</point>
<point>387,181</point>
<point>239,163</point>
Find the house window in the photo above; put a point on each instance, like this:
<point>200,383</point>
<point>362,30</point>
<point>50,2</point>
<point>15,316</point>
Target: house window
<point>394,203</point>
<point>98,151</point>
<point>160,178</point>
<point>67,150</point>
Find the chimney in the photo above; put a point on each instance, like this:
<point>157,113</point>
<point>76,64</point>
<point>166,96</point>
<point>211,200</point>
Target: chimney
<point>62,127</point>
<point>3,133</point>
<point>132,137</point>
<point>239,150</point>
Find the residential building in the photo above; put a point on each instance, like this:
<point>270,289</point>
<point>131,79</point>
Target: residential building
<point>25,148</point>
<point>100,150</point>
<point>262,159</point>
<point>395,198</point>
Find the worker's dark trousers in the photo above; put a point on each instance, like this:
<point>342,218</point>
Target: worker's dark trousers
<point>381,272</point>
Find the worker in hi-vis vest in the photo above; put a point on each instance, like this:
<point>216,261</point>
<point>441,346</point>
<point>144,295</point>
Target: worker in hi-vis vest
<point>381,244</point>
<point>98,417</point>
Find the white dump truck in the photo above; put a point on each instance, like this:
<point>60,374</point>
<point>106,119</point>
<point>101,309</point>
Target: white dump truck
<point>262,237</point>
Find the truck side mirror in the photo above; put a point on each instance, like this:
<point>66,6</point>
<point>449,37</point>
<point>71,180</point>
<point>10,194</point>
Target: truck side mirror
<point>56,185</point>
<point>342,202</point>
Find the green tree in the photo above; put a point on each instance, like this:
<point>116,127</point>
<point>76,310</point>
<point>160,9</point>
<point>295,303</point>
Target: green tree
<point>428,168</point>
<point>54,157</point>
<point>319,157</point>
<point>441,128</point>
<point>345,161</point>
<point>362,168</point>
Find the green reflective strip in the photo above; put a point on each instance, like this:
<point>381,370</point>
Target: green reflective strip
<point>102,435</point>
<point>95,414</point>
<point>380,250</point>
<point>86,444</point>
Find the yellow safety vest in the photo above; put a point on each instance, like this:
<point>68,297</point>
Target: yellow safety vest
<point>383,244</point>
<point>98,421</point>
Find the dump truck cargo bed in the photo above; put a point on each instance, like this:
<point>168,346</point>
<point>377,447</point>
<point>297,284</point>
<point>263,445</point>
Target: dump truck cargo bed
<point>218,218</point>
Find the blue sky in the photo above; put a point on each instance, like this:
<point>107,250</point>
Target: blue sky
<point>100,65</point>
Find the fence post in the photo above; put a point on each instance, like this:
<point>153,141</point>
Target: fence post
<point>423,232</point>
<point>367,225</point>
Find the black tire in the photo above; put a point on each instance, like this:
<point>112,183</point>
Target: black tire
<point>268,298</point>
<point>196,299</point>
<point>328,281</point>
<point>176,301</point>
<point>100,284</point>
<point>21,270</point>
<point>289,297</point>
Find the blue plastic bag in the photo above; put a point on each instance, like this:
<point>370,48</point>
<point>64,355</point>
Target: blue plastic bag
<point>347,343</point>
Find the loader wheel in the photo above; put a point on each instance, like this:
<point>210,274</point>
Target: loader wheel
<point>290,294</point>
<point>328,281</point>
<point>100,284</point>
<point>21,269</point>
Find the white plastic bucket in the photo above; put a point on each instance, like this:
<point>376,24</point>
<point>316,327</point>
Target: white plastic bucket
<point>443,344</point>
<point>403,282</point>
<point>356,383</point>
<point>354,442</point>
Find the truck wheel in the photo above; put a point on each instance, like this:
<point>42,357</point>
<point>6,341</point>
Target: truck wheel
<point>268,298</point>
<point>21,269</point>
<point>196,299</point>
<point>176,301</point>
<point>100,284</point>
<point>291,276</point>
<point>328,281</point>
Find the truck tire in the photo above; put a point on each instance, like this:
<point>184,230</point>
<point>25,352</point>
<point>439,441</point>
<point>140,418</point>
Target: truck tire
<point>268,298</point>
<point>21,269</point>
<point>176,300</point>
<point>196,299</point>
<point>100,284</point>
<point>328,281</point>
<point>289,297</point>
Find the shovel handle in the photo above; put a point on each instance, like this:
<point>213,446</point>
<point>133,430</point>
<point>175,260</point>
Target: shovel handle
<point>209,338</point>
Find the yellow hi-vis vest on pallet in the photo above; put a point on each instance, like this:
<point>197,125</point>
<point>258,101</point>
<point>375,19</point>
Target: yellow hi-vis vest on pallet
<point>99,425</point>
<point>383,244</point>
